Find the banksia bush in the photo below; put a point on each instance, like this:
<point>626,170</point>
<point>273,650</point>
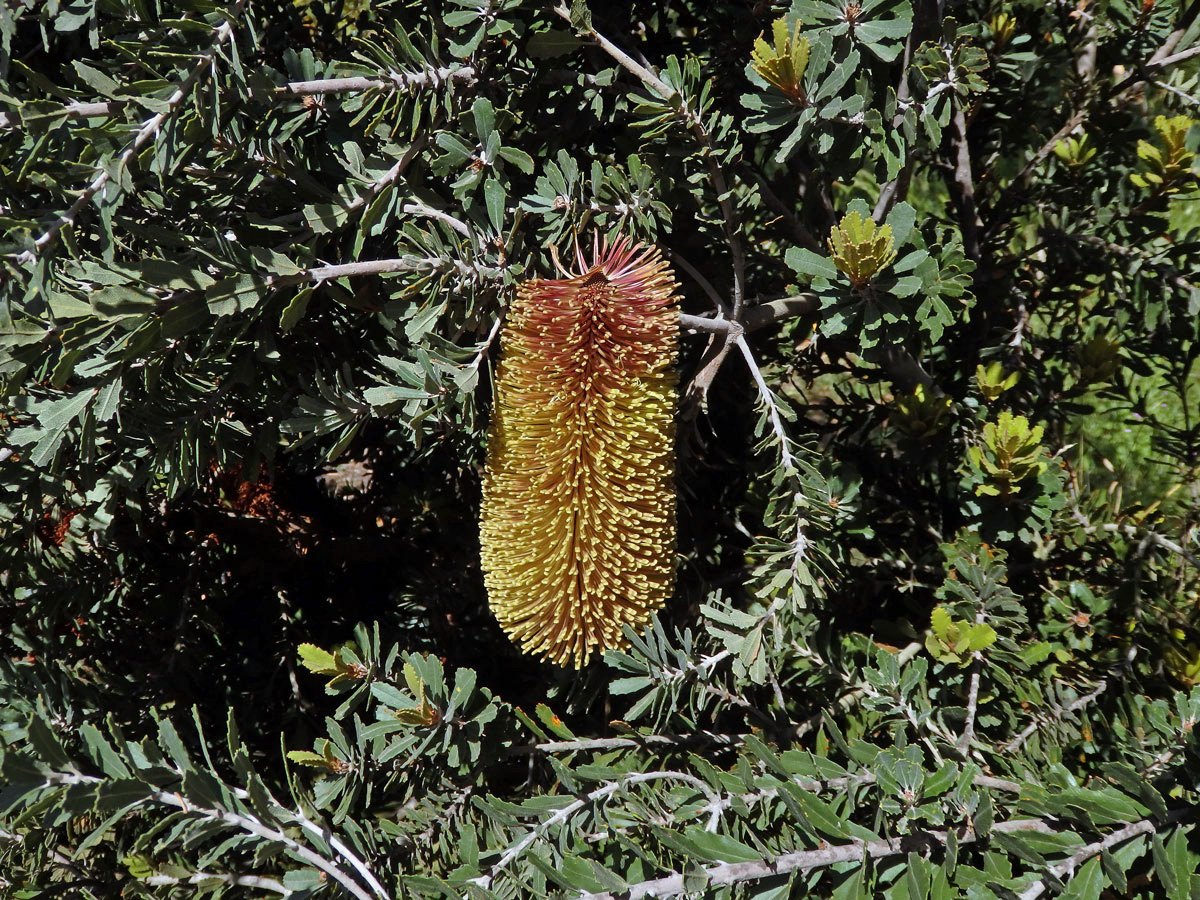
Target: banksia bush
<point>578,518</point>
<point>261,313</point>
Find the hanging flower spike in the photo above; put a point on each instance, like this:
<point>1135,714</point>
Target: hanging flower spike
<point>577,528</point>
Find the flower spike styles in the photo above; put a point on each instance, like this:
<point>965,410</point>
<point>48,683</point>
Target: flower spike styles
<point>577,529</point>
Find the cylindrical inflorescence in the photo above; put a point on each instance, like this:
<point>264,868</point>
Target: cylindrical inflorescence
<point>578,518</point>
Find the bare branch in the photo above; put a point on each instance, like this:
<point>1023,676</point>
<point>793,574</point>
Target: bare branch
<point>708,326</point>
<point>763,314</point>
<point>632,742</point>
<point>418,208</point>
<point>963,184</point>
<point>253,826</point>
<point>968,732</point>
<point>381,267</point>
<point>407,82</point>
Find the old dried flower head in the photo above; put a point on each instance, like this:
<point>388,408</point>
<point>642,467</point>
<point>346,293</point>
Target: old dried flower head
<point>578,519</point>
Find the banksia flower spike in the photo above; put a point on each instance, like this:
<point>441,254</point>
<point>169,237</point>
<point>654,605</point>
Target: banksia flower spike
<point>577,529</point>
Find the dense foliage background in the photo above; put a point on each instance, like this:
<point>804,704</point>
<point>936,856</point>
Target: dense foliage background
<point>935,630</point>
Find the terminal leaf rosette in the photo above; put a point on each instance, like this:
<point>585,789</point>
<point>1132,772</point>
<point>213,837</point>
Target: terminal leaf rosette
<point>860,248</point>
<point>784,64</point>
<point>577,527</point>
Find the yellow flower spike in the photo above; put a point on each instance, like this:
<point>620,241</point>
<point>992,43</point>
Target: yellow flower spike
<point>577,526</point>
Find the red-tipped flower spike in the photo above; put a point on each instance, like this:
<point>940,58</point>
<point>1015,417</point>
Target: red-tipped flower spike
<point>578,521</point>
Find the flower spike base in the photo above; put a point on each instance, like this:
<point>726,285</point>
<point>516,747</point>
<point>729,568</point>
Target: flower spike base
<point>577,526</point>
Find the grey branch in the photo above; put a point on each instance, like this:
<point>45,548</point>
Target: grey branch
<point>963,185</point>
<point>261,882</point>
<point>321,274</point>
<point>862,778</point>
<point>633,742</point>
<point>968,732</point>
<point>149,130</point>
<point>405,82</point>
<point>253,826</point>
<point>708,326</point>
<point>785,454</point>
<point>1065,868</point>
<point>805,861</point>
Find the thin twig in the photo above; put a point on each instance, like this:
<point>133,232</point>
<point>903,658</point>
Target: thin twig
<point>150,129</point>
<point>562,815</point>
<point>417,208</point>
<point>482,352</point>
<point>632,742</point>
<point>427,79</point>
<point>1144,72</point>
<point>1162,58</point>
<point>1169,272</point>
<point>802,235</point>
<point>320,274</point>
<point>1079,703</point>
<point>861,779</point>
<point>718,301</point>
<point>968,732</point>
<point>925,15</point>
<point>254,827</point>
<point>251,826</point>
<point>785,455</point>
